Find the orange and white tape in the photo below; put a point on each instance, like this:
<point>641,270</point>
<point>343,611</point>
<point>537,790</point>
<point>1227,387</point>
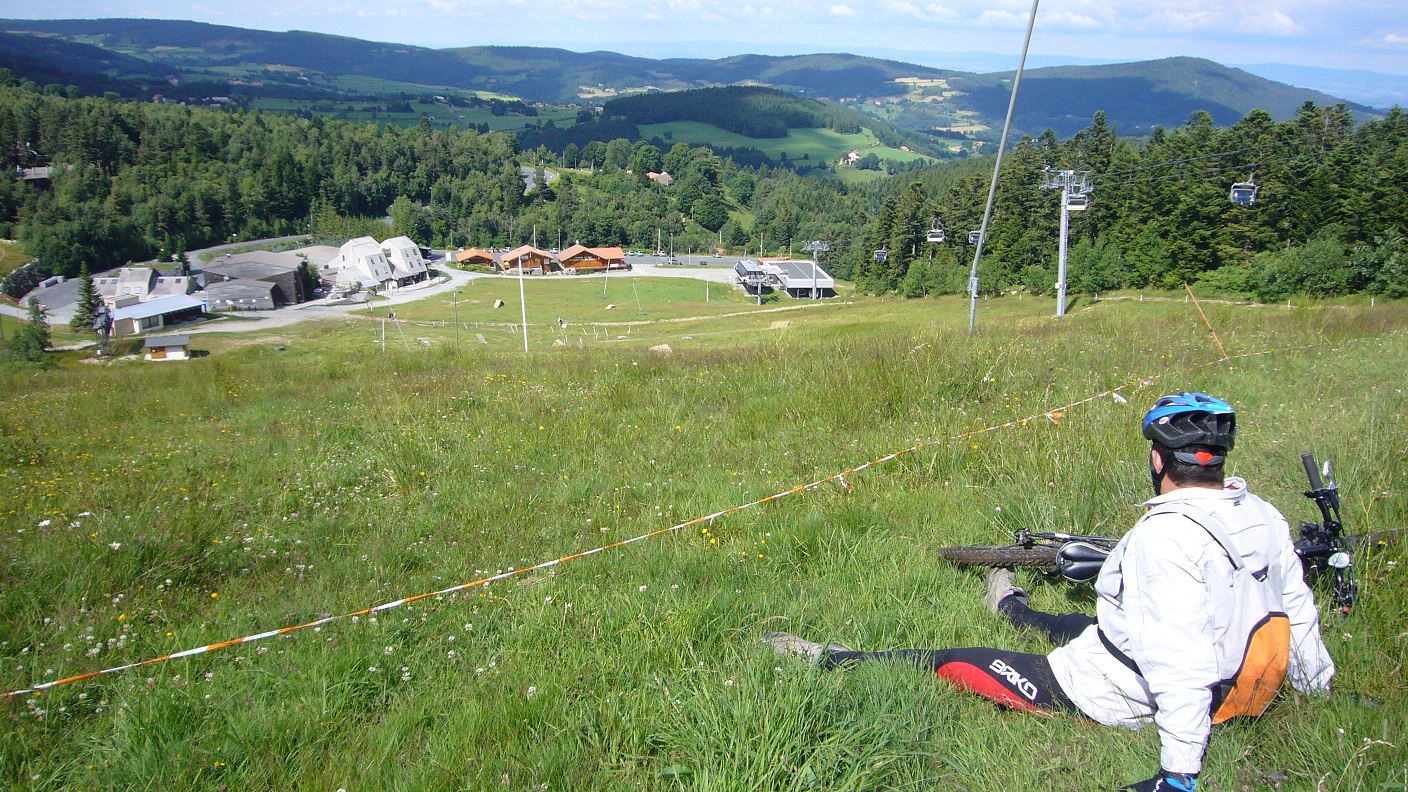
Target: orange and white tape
<point>843,478</point>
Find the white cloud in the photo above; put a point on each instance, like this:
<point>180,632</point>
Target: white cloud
<point>1394,38</point>
<point>1271,21</point>
<point>996,18</point>
<point>842,10</point>
<point>1066,19</point>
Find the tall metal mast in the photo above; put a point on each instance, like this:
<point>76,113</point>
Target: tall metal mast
<point>1075,187</point>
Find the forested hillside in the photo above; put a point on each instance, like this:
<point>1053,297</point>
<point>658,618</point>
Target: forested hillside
<point>133,179</point>
<point>747,110</point>
<point>1329,219</point>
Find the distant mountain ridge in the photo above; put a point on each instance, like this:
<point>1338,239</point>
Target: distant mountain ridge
<point>1134,96</point>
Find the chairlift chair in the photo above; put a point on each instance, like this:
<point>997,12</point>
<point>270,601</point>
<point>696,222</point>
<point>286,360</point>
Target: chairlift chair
<point>882,254</point>
<point>1077,203</point>
<point>974,236</point>
<point>936,233</point>
<point>1243,193</point>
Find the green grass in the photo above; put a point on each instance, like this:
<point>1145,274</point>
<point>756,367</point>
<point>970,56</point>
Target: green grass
<point>12,257</point>
<point>823,145</point>
<point>254,488</point>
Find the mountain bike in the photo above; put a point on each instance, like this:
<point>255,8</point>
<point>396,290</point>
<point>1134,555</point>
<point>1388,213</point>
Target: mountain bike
<point>1323,547</point>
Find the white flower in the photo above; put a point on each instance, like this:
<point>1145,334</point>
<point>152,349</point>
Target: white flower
<point>532,691</point>
<point>43,523</point>
<point>115,545</point>
<point>642,588</point>
<point>388,650</point>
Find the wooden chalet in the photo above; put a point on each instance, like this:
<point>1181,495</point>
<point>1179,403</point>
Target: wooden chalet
<point>475,256</point>
<point>532,261</point>
<point>580,259</point>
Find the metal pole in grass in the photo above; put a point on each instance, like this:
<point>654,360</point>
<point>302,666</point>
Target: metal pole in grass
<point>997,169</point>
<point>523,304</point>
<point>457,320</point>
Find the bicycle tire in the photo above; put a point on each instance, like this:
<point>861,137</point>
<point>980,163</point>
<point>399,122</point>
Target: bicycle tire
<point>1001,555</point>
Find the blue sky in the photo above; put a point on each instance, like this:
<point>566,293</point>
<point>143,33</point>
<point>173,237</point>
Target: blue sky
<point>1348,34</point>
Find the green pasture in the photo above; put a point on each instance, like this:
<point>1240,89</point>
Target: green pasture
<point>12,256</point>
<point>283,475</point>
<point>823,145</point>
<point>585,301</point>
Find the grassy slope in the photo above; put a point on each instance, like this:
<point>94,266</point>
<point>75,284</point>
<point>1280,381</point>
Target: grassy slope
<point>824,145</point>
<point>12,256</point>
<point>328,476</point>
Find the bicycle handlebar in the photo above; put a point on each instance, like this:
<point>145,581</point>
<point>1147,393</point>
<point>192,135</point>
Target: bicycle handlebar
<point>1312,472</point>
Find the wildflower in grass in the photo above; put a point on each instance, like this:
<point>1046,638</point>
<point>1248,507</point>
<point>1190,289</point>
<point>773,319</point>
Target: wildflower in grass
<point>532,691</point>
<point>115,545</point>
<point>388,650</point>
<point>43,523</point>
<point>642,588</point>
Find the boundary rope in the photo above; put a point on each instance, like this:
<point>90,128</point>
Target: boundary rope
<point>1053,415</point>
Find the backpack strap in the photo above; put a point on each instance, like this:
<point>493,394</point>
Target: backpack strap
<point>1208,522</point>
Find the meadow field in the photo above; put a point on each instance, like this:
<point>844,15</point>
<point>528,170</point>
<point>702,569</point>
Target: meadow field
<point>822,145</point>
<point>286,476</point>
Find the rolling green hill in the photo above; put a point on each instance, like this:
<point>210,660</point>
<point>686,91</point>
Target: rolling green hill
<point>303,65</point>
<point>1140,95</point>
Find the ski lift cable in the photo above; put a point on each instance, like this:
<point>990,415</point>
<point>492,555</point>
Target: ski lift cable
<point>997,171</point>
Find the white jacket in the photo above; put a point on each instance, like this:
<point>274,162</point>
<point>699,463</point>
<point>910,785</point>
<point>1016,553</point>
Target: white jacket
<point>1166,603</point>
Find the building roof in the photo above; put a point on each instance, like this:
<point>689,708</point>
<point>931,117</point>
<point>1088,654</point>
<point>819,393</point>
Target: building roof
<point>226,290</point>
<point>135,275</point>
<point>800,275</point>
<point>404,256</point>
<point>473,253</point>
<point>603,253</point>
<point>269,261</point>
<point>248,270</point>
<point>524,250</point>
<point>158,307</point>
<point>166,341</point>
<point>171,284</point>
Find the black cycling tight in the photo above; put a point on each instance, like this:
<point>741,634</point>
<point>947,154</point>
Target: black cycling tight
<point>1012,679</point>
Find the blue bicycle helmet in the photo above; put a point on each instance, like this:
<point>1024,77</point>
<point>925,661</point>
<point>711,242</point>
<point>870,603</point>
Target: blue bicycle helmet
<point>1183,419</point>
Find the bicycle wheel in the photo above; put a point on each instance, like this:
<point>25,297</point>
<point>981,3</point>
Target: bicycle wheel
<point>1001,555</point>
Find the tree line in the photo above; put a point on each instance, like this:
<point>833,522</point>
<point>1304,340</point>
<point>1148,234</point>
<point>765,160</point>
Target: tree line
<point>1329,217</point>
<point>135,180</point>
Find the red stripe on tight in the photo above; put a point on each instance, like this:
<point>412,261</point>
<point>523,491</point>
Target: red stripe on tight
<point>973,679</point>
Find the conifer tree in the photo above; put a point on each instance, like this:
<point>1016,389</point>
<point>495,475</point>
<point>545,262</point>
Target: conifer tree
<point>88,301</point>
